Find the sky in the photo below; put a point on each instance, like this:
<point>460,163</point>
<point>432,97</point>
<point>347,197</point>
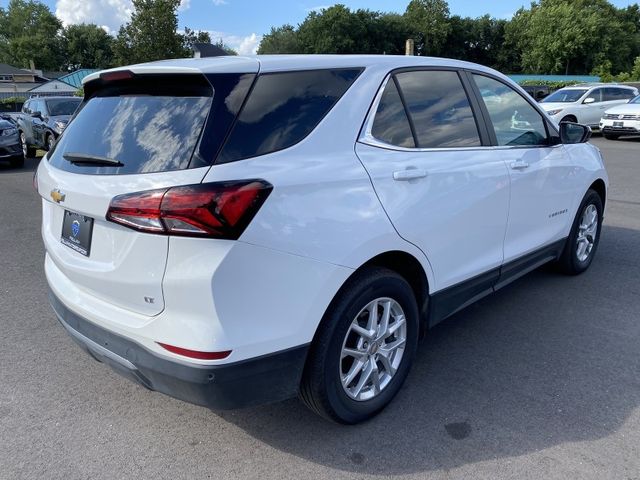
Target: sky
<point>241,23</point>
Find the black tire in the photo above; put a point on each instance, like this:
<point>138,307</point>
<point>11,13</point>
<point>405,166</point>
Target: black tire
<point>17,162</point>
<point>569,263</point>
<point>608,136</point>
<point>27,150</point>
<point>321,387</point>
<point>569,118</point>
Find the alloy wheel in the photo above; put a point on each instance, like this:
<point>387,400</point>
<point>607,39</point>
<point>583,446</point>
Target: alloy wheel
<point>372,349</point>
<point>587,232</point>
<point>23,144</point>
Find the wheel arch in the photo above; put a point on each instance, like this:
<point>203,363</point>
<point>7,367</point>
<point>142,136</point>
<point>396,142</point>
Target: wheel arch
<point>404,264</point>
<point>601,189</point>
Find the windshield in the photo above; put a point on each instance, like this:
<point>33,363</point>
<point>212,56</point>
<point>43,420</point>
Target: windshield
<point>62,106</point>
<point>565,95</point>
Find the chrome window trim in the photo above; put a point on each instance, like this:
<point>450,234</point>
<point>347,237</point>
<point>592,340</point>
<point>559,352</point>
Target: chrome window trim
<point>367,138</point>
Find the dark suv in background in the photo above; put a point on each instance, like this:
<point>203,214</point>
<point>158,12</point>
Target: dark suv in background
<point>42,121</point>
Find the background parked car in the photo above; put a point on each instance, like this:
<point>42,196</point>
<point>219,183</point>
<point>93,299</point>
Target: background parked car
<point>10,148</point>
<point>538,92</point>
<point>622,120</point>
<point>586,103</point>
<point>43,120</point>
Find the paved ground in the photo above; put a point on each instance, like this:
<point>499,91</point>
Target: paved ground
<point>540,380</point>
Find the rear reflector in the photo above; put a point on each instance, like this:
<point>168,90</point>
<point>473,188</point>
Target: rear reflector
<point>194,353</point>
<point>214,210</point>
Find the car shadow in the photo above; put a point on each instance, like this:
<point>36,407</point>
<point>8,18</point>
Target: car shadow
<point>547,360</point>
<point>30,165</point>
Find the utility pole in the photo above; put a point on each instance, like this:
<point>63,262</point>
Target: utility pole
<point>409,47</point>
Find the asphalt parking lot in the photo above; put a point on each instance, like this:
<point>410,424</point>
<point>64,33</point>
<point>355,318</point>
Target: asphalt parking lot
<point>541,380</point>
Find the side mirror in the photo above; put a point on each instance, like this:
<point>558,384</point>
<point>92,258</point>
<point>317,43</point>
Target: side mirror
<point>589,100</point>
<point>36,115</point>
<point>574,133</point>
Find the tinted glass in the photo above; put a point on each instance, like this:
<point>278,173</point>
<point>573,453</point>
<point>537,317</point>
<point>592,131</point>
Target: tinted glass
<point>282,109</point>
<point>565,95</point>
<point>391,124</point>
<point>514,120</point>
<point>62,106</point>
<point>597,94</point>
<point>439,108</point>
<point>144,133</point>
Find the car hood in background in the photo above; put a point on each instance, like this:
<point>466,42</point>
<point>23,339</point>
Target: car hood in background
<point>629,108</point>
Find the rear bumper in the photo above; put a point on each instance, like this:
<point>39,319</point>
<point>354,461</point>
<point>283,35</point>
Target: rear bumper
<point>266,379</point>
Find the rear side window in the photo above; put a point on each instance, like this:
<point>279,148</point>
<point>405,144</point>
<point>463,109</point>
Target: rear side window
<point>283,108</point>
<point>439,108</point>
<point>391,124</point>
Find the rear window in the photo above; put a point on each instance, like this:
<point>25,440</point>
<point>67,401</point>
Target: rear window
<point>283,108</point>
<point>150,123</point>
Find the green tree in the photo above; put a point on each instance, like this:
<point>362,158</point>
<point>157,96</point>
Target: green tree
<point>189,37</point>
<point>87,46</point>
<point>568,36</point>
<point>476,40</point>
<point>29,31</point>
<point>428,22</point>
<point>282,39</point>
<point>151,34</point>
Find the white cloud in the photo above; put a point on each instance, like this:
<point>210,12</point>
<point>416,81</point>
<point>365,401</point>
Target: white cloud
<point>243,45</point>
<point>109,14</point>
<point>184,5</point>
<point>217,3</point>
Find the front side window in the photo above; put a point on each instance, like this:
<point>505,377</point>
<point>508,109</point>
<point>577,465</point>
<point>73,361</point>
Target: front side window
<point>439,108</point>
<point>597,94</point>
<point>62,106</point>
<point>514,120</point>
<point>283,108</point>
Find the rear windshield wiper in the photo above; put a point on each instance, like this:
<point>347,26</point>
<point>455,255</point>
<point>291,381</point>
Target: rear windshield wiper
<point>88,159</point>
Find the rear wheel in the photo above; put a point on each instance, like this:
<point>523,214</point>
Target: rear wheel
<point>609,136</point>
<point>583,240</point>
<point>363,349</point>
<point>27,151</point>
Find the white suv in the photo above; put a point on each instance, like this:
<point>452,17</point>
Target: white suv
<point>586,103</point>
<point>239,230</point>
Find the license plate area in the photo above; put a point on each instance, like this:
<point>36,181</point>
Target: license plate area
<point>76,232</point>
<point>618,124</point>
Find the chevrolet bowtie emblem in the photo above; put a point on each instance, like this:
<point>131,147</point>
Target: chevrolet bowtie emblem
<point>57,195</point>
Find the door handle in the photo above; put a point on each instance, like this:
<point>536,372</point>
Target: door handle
<point>409,174</point>
<point>519,165</point>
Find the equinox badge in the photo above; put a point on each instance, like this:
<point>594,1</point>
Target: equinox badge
<point>57,195</point>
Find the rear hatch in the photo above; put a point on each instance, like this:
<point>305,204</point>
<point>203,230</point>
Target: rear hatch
<point>136,130</point>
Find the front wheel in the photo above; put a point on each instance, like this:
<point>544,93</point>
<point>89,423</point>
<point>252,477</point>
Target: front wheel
<point>364,348</point>
<point>27,151</point>
<point>583,240</point>
<point>17,162</point>
<point>609,136</point>
<point>51,140</point>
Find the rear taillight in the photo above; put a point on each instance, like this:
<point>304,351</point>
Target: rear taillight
<point>218,210</point>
